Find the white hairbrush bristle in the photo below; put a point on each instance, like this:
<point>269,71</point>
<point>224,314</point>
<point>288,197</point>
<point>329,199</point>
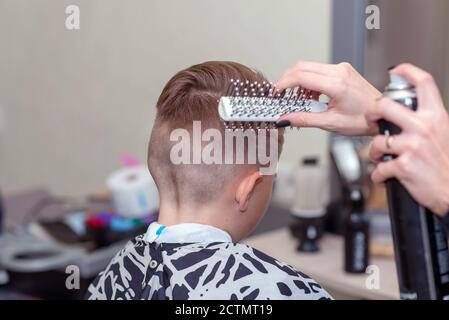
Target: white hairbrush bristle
<point>259,105</point>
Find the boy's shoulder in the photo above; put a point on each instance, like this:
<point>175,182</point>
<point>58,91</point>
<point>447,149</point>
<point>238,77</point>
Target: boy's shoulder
<point>274,278</point>
<point>215,270</point>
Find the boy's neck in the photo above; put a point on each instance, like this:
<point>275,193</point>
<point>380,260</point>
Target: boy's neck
<point>211,215</point>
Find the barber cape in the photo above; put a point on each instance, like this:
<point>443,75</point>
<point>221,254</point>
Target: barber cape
<point>194,261</point>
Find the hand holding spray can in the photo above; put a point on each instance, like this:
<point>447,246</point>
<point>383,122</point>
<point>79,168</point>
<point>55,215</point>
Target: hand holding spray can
<point>419,237</point>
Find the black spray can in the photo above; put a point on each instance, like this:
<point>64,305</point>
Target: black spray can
<point>356,235</point>
<point>419,237</point>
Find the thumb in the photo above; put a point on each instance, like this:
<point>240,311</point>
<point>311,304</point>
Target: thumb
<point>320,120</point>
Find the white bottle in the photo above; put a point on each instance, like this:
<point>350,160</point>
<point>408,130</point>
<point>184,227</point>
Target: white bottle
<point>309,204</point>
<point>311,192</point>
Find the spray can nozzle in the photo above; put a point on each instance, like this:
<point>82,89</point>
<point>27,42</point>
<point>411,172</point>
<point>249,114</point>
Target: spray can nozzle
<point>398,82</point>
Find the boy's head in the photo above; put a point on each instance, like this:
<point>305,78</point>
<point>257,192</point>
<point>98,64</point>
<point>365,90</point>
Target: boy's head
<point>188,153</point>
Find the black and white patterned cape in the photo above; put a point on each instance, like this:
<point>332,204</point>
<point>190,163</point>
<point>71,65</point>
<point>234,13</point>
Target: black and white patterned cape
<point>200,270</point>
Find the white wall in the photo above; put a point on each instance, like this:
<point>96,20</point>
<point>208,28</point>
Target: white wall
<point>72,101</point>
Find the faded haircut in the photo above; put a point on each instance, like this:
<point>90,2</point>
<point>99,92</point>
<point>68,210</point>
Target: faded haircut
<point>192,95</point>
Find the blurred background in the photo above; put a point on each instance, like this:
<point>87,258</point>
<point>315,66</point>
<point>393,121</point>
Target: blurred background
<point>78,105</point>
<point>73,101</point>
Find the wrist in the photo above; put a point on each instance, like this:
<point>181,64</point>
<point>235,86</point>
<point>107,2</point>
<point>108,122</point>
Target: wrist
<point>372,128</point>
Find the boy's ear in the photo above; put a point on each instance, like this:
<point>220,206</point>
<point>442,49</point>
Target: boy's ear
<point>245,189</point>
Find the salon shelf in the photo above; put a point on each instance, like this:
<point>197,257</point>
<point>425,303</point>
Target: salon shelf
<point>326,266</point>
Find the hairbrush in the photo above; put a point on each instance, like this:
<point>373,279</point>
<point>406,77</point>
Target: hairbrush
<point>255,105</point>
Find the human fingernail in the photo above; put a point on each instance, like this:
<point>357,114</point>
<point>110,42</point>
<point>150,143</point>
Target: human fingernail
<point>392,67</point>
<point>282,124</point>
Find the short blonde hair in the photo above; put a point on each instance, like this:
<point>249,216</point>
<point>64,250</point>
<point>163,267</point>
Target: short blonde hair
<point>192,95</point>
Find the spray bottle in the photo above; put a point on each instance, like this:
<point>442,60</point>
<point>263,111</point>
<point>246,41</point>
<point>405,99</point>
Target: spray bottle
<point>419,237</point>
<point>356,235</point>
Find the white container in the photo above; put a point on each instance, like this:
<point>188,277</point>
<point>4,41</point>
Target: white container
<point>311,190</point>
<point>134,193</point>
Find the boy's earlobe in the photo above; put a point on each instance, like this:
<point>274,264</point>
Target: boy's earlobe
<point>245,190</point>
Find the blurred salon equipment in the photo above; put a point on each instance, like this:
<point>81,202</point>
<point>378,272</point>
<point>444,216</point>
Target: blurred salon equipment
<point>309,204</point>
<point>356,235</point>
<point>346,214</point>
<point>346,174</point>
<point>133,190</point>
<point>47,237</point>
